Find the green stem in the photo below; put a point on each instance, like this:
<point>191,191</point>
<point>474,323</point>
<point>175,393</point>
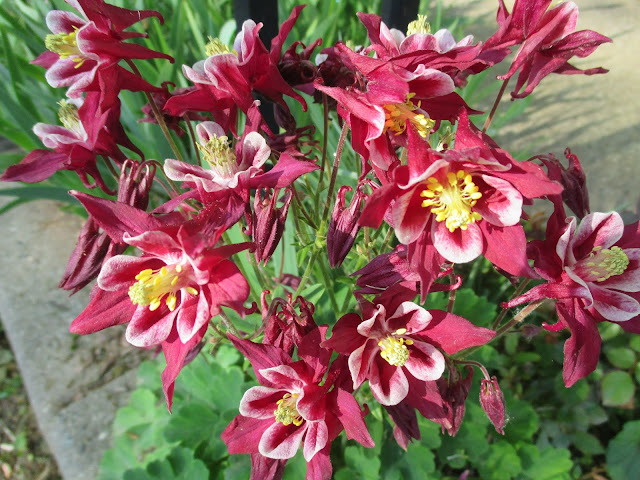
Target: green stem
<point>307,273</point>
<point>158,115</point>
<point>334,171</point>
<point>519,289</point>
<point>329,288</point>
<point>495,106</point>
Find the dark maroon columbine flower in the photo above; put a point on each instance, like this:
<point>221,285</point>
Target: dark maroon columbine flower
<point>455,391</point>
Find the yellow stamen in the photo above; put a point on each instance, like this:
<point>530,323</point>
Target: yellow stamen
<point>453,201</point>
<point>419,26</point>
<point>397,115</point>
<point>68,114</point>
<point>287,413</point>
<point>602,264</point>
<point>394,349</point>
<point>216,47</point>
<point>65,45</point>
<point>153,285</point>
<point>219,155</point>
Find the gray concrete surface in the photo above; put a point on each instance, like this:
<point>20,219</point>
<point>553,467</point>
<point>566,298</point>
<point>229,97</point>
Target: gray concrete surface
<point>76,384</point>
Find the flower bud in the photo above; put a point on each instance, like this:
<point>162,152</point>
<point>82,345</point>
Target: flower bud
<point>454,393</point>
<point>386,270</point>
<point>284,326</point>
<point>344,227</point>
<point>268,223</point>
<point>572,178</point>
<point>94,246</point>
<point>492,402</point>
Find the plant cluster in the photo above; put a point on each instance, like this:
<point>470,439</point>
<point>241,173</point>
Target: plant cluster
<point>430,196</point>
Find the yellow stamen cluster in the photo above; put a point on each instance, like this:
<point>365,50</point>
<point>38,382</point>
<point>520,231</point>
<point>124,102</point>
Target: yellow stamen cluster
<point>65,45</point>
<point>394,348</point>
<point>452,202</point>
<point>397,115</point>
<point>68,114</point>
<point>153,285</point>
<point>218,154</point>
<point>605,263</point>
<point>216,47</point>
<point>419,26</point>
<point>287,413</point>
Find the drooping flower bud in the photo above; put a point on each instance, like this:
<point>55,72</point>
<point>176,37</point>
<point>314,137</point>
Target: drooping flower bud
<point>454,391</point>
<point>344,227</point>
<point>269,221</point>
<point>572,178</point>
<point>284,325</point>
<point>492,402</point>
<point>386,270</point>
<point>94,247</point>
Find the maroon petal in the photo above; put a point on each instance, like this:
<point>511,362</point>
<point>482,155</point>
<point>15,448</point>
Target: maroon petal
<point>105,309</point>
<point>243,434</point>
<point>35,167</point>
<point>261,356</point>
<point>453,333</point>
<point>582,349</point>
<point>175,354</point>
<point>352,418</point>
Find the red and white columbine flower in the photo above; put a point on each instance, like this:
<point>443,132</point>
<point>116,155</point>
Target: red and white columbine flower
<point>397,342</point>
<point>180,279</point>
<point>83,52</point>
<point>299,403</point>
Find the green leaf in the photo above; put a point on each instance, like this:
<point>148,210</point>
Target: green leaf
<point>620,357</point>
<point>634,343</point>
<point>522,420</point>
<point>623,453</point>
<point>548,464</point>
<point>587,443</point>
<point>179,465</point>
<point>617,389</point>
<point>366,468</point>
<point>501,462</point>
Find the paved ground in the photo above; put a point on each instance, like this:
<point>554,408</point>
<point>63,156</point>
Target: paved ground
<point>75,385</point>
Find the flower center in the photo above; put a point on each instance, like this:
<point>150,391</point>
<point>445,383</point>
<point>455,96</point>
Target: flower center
<point>394,349</point>
<point>216,47</point>
<point>398,114</point>
<point>602,264</point>
<point>65,45</point>
<point>219,155</point>
<point>153,285</point>
<point>68,114</point>
<point>452,201</point>
<point>419,26</point>
<point>287,413</point>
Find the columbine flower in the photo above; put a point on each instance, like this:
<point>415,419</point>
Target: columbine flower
<point>85,134</point>
<point>248,67</point>
<point>548,41</point>
<point>593,270</point>
<point>292,408</point>
<point>396,343</point>
<point>181,279</point>
<point>235,171</point>
<point>83,52</point>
